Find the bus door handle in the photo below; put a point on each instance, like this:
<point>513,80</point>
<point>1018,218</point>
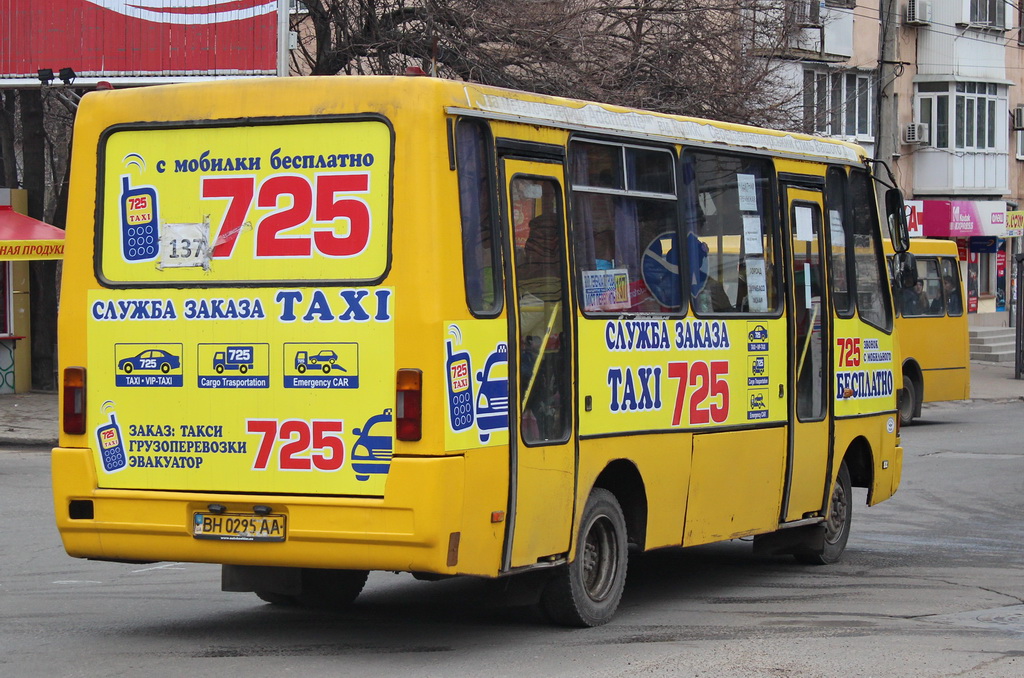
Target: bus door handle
<point>782,390</point>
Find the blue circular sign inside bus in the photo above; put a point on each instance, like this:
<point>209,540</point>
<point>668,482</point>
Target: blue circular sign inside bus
<point>660,269</point>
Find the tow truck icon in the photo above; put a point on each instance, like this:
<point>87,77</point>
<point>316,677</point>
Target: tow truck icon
<point>326,360</point>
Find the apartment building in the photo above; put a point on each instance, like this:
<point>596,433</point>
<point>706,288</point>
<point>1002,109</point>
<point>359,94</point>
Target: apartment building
<point>930,87</point>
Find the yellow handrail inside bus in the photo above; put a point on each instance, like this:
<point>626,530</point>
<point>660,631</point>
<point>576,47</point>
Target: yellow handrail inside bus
<point>807,341</point>
<point>540,352</point>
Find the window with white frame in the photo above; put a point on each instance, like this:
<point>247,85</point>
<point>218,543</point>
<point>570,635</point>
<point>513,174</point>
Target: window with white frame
<point>989,13</point>
<point>969,116</point>
<point>839,103</point>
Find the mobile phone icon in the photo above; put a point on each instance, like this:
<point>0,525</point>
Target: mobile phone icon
<point>111,446</point>
<point>140,234</point>
<point>460,389</point>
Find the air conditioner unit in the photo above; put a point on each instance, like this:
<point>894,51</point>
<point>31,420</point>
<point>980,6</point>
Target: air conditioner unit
<point>1018,118</point>
<point>916,133</point>
<point>919,12</point>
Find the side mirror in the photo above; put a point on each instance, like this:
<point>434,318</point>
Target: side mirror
<point>897,217</point>
<point>904,269</point>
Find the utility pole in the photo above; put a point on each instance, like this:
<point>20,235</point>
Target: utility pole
<point>887,132</point>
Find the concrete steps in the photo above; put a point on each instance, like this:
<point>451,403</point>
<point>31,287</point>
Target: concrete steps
<point>993,344</point>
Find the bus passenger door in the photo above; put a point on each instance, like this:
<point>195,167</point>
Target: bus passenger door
<point>541,441</point>
<point>808,466</point>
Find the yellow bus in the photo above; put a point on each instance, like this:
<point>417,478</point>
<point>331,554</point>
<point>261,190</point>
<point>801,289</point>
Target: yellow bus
<point>316,327</point>
<point>931,327</point>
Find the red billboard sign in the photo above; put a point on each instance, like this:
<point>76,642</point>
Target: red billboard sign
<point>138,38</point>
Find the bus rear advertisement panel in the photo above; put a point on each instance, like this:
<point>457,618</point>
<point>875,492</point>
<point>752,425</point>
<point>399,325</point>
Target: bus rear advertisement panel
<point>210,387</point>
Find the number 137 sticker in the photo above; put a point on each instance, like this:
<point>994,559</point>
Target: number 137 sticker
<point>183,245</point>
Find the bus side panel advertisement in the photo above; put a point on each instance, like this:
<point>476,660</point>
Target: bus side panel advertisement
<point>662,374</point>
<point>255,390</point>
<point>246,203</point>
<point>658,374</point>
<point>863,369</point>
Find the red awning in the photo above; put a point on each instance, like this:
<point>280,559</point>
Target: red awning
<point>23,238</point>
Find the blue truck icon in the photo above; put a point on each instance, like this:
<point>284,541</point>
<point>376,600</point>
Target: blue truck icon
<point>238,358</point>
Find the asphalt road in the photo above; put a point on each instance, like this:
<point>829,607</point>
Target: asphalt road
<point>932,584</point>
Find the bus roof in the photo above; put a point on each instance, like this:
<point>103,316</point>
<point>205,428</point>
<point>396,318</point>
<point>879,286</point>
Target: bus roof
<point>535,109</point>
<point>271,97</point>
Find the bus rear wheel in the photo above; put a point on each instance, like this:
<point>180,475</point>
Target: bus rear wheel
<point>837,524</point>
<point>586,592</point>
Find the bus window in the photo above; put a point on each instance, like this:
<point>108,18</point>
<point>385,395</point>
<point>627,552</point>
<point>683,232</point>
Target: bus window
<point>626,245</point>
<point>929,288</point>
<point>951,287</point>
<point>476,188</point>
<point>727,210</point>
<point>867,253</point>
<point>811,328</point>
<point>540,290</point>
<point>840,262</point>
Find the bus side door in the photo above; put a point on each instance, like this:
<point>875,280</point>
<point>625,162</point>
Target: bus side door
<point>542,442</point>
<point>809,311</point>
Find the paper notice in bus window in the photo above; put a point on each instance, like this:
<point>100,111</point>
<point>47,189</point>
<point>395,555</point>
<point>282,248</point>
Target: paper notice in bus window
<point>757,285</point>
<point>752,234</point>
<point>835,223</point>
<point>804,223</point>
<point>746,186</point>
<point>606,290</point>
<point>185,245</point>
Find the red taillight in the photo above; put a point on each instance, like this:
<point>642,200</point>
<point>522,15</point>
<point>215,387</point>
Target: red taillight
<point>409,419</point>
<point>74,400</point>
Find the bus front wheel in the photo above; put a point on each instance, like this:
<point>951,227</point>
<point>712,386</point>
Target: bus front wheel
<point>908,401</point>
<point>586,592</point>
<point>837,524</point>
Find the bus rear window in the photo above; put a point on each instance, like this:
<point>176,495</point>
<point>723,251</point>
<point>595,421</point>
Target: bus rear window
<point>293,201</point>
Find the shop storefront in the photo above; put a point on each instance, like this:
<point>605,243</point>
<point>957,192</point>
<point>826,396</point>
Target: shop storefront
<point>987,242</point>
<point>22,239</point>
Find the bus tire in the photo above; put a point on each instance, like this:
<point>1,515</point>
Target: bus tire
<point>586,592</point>
<point>908,401</point>
<point>837,524</point>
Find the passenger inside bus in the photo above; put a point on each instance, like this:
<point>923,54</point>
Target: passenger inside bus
<point>910,302</point>
<point>954,304</point>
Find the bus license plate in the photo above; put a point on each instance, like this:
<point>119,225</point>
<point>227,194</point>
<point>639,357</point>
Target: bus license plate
<point>238,526</point>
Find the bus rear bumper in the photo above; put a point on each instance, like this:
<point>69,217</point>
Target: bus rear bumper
<point>421,534</point>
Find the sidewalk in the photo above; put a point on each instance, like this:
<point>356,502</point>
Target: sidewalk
<point>30,419</point>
